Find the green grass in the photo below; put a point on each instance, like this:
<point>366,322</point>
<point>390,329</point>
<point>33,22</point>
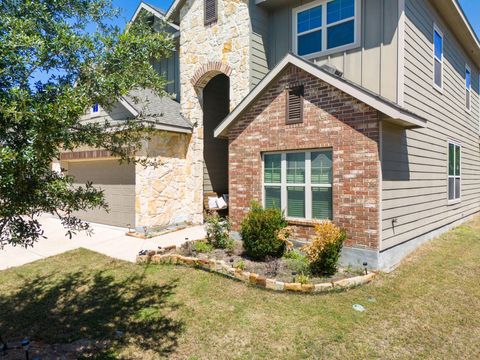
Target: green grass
<point>428,308</point>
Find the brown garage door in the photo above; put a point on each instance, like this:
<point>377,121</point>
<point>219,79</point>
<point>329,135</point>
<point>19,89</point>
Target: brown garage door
<point>118,183</point>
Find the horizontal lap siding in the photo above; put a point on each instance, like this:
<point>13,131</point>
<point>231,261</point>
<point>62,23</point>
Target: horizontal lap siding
<point>258,44</point>
<point>419,201</point>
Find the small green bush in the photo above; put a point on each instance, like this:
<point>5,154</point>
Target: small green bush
<point>218,231</point>
<point>303,279</point>
<point>240,265</point>
<point>296,261</point>
<point>202,246</point>
<point>260,230</point>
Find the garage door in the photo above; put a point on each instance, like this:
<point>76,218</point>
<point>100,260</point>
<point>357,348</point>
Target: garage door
<point>118,183</point>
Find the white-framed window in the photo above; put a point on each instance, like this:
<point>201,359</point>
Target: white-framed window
<point>437,57</point>
<point>95,108</point>
<point>299,183</point>
<point>454,171</point>
<point>323,27</point>
<point>468,88</point>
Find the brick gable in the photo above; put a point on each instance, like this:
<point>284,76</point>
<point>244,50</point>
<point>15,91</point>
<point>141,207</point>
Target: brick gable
<point>332,119</point>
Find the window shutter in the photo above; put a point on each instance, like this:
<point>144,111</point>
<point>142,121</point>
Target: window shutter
<point>294,113</point>
<point>210,11</point>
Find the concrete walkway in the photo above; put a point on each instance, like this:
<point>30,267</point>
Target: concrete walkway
<point>106,240</point>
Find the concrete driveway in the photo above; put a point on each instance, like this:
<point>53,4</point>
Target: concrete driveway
<point>106,240</point>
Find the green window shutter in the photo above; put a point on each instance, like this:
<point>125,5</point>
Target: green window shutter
<point>273,168</point>
<point>296,201</point>
<point>273,197</point>
<point>296,168</point>
<point>322,203</point>
<point>322,167</point>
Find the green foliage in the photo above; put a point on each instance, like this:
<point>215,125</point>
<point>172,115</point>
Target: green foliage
<point>323,252</point>
<point>259,231</point>
<point>202,246</point>
<point>300,265</point>
<point>41,118</point>
<point>230,248</point>
<point>294,255</point>
<point>239,265</point>
<point>303,279</point>
<point>218,231</point>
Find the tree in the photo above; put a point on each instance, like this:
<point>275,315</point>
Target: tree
<point>39,119</point>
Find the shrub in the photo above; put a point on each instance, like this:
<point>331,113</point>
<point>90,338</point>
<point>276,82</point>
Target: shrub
<point>218,231</point>
<point>240,265</point>
<point>202,246</point>
<point>296,261</point>
<point>303,279</point>
<point>260,230</point>
<point>324,250</point>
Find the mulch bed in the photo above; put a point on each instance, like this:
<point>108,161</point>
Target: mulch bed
<point>281,269</point>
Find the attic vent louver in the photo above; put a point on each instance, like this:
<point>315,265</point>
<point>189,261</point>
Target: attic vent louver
<point>210,11</point>
<point>294,111</point>
<point>332,70</point>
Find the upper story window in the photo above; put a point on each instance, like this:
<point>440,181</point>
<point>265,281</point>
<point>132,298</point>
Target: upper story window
<point>95,109</point>
<point>211,12</point>
<point>468,88</point>
<point>324,27</point>
<point>437,57</point>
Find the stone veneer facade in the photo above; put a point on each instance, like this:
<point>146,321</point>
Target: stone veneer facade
<point>206,51</point>
<point>332,119</point>
<point>162,195</point>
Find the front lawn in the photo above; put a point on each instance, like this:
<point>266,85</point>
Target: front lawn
<point>428,308</point>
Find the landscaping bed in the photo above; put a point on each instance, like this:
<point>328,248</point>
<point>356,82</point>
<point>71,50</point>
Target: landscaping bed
<point>292,267</point>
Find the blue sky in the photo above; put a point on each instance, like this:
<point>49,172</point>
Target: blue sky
<point>470,7</point>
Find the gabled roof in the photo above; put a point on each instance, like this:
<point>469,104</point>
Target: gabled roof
<point>159,13</point>
<point>387,107</point>
<point>174,8</point>
<point>162,112</point>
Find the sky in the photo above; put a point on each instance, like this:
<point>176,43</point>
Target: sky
<point>470,7</point>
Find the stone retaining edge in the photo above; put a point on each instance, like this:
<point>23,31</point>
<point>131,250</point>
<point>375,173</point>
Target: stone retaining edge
<point>221,267</point>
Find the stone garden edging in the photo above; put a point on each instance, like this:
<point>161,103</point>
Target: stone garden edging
<point>222,268</point>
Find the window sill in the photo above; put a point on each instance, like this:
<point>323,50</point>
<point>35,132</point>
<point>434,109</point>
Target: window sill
<point>438,88</point>
<point>339,49</point>
<point>453,202</point>
<point>301,222</point>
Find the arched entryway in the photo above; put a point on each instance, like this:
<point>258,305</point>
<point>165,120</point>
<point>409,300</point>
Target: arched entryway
<point>216,106</point>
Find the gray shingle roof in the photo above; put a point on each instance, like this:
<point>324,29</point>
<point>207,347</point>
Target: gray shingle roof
<point>157,109</point>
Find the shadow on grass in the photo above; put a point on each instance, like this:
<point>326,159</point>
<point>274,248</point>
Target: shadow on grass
<point>94,306</point>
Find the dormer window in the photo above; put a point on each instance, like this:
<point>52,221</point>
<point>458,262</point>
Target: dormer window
<point>211,12</point>
<point>324,27</point>
<point>95,109</point>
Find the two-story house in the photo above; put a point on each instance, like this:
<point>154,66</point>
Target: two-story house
<point>365,112</point>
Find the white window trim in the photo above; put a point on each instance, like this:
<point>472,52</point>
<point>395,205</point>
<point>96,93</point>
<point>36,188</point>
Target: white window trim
<point>440,32</point>
<point>283,184</point>
<point>469,89</point>
<point>459,199</point>
<point>357,18</point>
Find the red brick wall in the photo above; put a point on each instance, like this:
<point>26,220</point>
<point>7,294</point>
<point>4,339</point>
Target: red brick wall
<point>332,119</point>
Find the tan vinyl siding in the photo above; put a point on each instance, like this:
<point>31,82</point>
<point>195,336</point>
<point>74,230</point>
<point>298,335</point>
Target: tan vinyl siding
<point>372,65</point>
<point>117,112</point>
<point>419,202</point>
<point>258,44</point>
